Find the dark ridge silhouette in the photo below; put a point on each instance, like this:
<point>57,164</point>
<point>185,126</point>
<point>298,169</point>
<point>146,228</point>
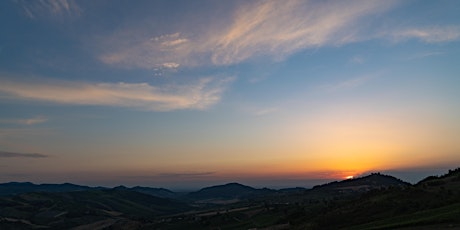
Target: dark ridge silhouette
<point>15,188</point>
<point>296,189</point>
<point>228,191</point>
<point>433,180</point>
<point>158,192</point>
<point>354,187</point>
<point>372,181</point>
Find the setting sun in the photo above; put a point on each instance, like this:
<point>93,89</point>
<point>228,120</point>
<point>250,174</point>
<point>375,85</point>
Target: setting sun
<point>209,98</point>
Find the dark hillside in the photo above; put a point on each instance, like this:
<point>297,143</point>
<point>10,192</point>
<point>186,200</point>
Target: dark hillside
<point>373,181</point>
<point>16,188</point>
<point>71,209</point>
<point>158,192</point>
<point>227,191</point>
<point>352,187</point>
<point>431,202</point>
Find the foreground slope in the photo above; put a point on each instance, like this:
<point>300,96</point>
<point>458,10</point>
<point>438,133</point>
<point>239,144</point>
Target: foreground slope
<point>73,209</point>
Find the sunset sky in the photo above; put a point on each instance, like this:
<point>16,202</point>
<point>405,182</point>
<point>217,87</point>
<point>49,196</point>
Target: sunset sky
<point>185,94</point>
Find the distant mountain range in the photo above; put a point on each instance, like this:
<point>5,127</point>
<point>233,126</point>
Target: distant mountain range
<point>16,188</point>
<point>158,192</point>
<point>225,191</point>
<point>375,201</point>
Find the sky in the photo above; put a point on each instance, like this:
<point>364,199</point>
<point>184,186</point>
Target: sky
<point>186,94</point>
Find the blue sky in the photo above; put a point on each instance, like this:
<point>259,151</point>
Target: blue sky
<point>192,93</point>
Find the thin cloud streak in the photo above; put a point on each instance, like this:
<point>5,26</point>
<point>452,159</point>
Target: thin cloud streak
<point>47,8</point>
<point>195,174</point>
<point>265,111</point>
<point>357,60</point>
<point>33,121</point>
<point>198,95</point>
<point>131,51</point>
<point>349,83</point>
<point>424,55</point>
<point>4,154</point>
<point>30,121</point>
<point>429,34</point>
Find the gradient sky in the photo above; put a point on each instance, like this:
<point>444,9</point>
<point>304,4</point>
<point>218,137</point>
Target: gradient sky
<point>183,94</point>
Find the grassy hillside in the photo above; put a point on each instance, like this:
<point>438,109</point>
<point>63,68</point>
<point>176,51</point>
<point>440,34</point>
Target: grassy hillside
<point>71,209</point>
<point>431,202</point>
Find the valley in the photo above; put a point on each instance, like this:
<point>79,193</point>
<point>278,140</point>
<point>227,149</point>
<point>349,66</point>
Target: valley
<point>375,201</point>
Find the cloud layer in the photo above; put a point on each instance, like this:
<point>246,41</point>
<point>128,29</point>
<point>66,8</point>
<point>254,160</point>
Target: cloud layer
<point>198,95</point>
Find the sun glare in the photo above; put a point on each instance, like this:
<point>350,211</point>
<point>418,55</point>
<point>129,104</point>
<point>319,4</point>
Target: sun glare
<point>349,177</point>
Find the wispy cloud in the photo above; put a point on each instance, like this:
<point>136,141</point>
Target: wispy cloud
<point>172,176</point>
<point>29,121</point>
<point>257,28</point>
<point>170,65</point>
<point>130,50</point>
<point>264,111</point>
<point>357,60</point>
<point>280,28</point>
<point>35,120</point>
<point>46,8</point>
<point>4,154</point>
<point>349,83</point>
<point>425,55</point>
<point>433,34</point>
<point>197,95</point>
<point>190,174</point>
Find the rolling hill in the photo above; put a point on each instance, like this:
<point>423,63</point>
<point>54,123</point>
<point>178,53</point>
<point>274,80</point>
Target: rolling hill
<point>72,209</point>
<point>230,191</point>
<point>433,203</point>
<point>16,188</point>
<point>356,186</point>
